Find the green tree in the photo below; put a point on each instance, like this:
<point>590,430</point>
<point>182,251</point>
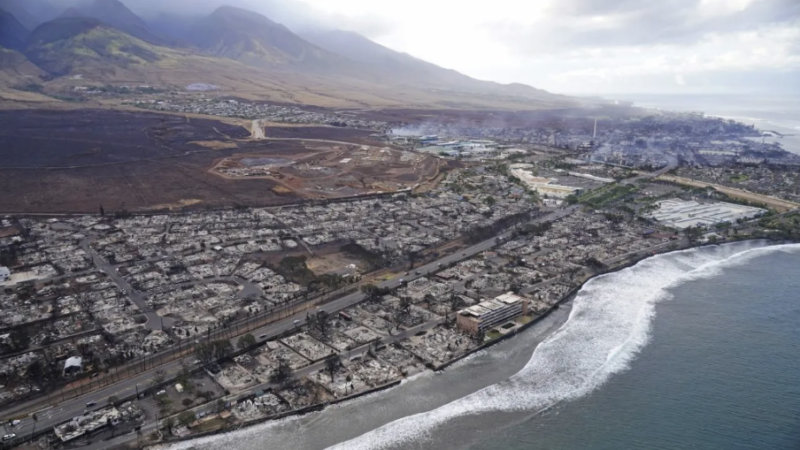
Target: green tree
<point>204,352</point>
<point>248,340</point>
<point>222,349</point>
<point>374,293</point>
<point>693,233</point>
<point>187,417</point>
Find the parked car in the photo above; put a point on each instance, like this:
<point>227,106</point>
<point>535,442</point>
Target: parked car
<point>91,403</point>
<point>9,437</point>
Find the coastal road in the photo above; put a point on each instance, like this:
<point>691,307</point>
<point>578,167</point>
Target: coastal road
<point>777,203</point>
<point>138,383</point>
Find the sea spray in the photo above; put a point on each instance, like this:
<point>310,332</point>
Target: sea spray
<point>608,326</point>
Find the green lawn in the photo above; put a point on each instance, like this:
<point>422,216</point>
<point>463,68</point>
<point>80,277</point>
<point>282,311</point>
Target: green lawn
<point>494,334</point>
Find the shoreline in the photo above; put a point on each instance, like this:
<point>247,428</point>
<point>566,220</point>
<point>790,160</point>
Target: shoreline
<point>565,300</point>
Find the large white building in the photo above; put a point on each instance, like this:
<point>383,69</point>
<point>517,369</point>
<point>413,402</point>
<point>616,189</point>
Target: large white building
<point>682,214</point>
<point>544,186</point>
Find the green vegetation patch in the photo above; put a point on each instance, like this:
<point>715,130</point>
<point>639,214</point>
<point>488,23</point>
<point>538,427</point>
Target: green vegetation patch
<point>607,195</point>
<point>494,334</point>
<point>739,178</point>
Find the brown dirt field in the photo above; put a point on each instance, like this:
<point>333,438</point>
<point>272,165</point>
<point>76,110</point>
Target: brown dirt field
<point>318,132</point>
<point>216,145</point>
<point>332,263</point>
<point>8,231</point>
<point>331,170</point>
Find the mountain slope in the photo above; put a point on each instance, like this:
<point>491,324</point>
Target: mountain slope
<point>13,34</point>
<point>16,69</point>
<point>69,43</point>
<point>116,14</point>
<point>255,40</point>
<point>249,56</point>
<point>410,69</point>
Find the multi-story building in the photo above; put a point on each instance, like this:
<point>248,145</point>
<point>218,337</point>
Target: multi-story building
<point>491,313</point>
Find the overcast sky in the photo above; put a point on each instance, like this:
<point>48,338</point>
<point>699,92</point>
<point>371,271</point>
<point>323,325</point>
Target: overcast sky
<point>571,46</point>
<point>589,46</point>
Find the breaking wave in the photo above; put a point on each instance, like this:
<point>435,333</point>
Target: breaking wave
<point>608,326</point>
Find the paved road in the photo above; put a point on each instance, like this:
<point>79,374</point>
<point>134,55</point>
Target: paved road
<point>672,163</point>
<point>129,387</point>
<point>154,321</point>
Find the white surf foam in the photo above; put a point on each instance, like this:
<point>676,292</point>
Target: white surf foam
<point>608,326</point>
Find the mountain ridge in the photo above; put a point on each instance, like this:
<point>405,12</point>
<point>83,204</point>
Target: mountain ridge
<point>360,48</point>
<point>248,54</point>
<point>13,34</point>
<point>250,37</point>
<point>117,15</point>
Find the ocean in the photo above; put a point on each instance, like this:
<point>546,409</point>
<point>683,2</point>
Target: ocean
<point>766,112</point>
<point>693,349</point>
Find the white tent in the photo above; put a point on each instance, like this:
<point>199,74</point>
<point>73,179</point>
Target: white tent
<point>74,363</point>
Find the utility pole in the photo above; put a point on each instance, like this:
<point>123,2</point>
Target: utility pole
<point>35,421</point>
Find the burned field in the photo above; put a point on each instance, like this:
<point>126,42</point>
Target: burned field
<point>83,138</point>
<point>75,161</point>
<point>64,162</point>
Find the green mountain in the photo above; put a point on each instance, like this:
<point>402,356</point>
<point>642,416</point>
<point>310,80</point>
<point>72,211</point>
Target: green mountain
<point>16,70</point>
<point>66,44</point>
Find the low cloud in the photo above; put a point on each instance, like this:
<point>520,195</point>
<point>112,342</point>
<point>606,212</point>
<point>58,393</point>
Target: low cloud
<point>297,15</point>
<point>571,24</point>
